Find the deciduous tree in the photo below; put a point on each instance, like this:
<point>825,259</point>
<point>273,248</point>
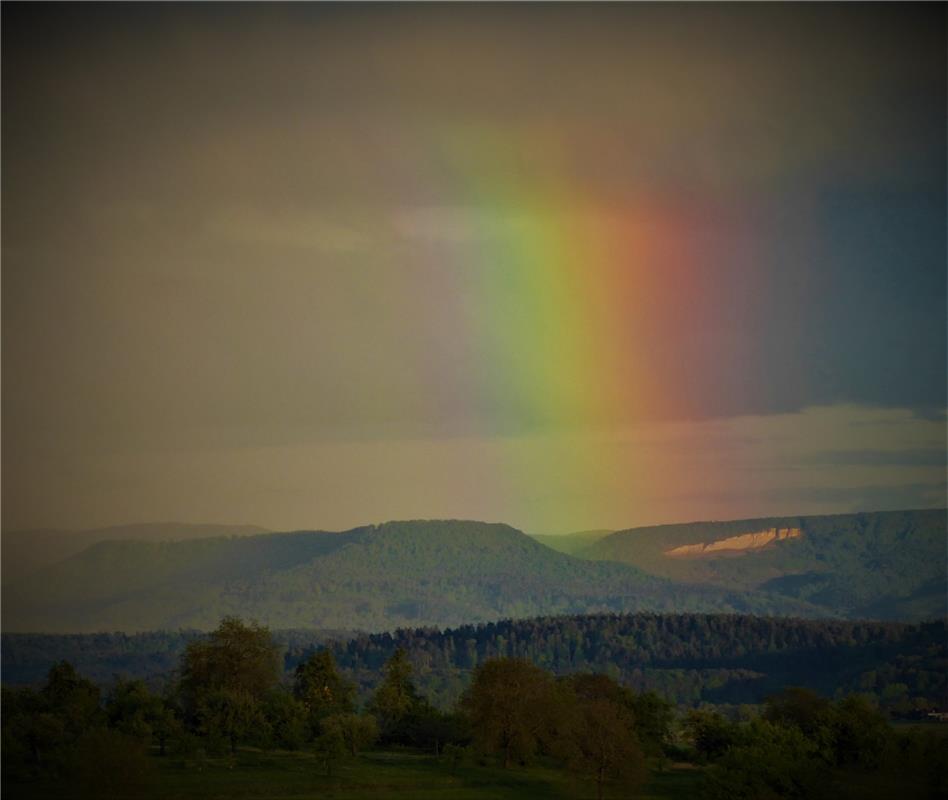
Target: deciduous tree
<point>225,677</point>
<point>600,744</point>
<point>357,731</point>
<point>507,705</point>
<point>396,698</point>
<point>321,689</point>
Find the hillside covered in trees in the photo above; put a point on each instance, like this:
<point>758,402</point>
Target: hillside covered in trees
<point>25,552</point>
<point>687,658</point>
<point>572,543</point>
<point>447,573</point>
<point>883,565</point>
<point>373,578</point>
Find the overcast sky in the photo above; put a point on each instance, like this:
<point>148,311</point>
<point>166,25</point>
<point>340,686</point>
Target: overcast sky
<point>261,263</point>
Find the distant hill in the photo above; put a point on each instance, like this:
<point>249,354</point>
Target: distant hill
<point>883,565</point>
<point>372,578</point>
<point>571,543</point>
<point>441,573</point>
<point>26,551</point>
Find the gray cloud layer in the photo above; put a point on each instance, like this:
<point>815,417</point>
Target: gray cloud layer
<point>227,228</point>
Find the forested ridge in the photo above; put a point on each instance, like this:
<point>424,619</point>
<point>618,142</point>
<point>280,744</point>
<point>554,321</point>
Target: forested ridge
<point>379,577</point>
<point>883,565</point>
<point>688,658</point>
<point>887,565</point>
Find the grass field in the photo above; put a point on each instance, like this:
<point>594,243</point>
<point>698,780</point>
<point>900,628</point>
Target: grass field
<point>298,776</point>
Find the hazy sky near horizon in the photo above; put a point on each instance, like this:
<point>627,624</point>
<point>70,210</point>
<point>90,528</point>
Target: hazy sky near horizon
<point>564,266</point>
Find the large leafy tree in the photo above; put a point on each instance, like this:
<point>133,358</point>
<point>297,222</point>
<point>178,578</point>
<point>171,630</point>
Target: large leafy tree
<point>321,689</point>
<point>41,727</point>
<point>238,656</point>
<point>225,678</point>
<point>595,732</point>
<point>357,731</point>
<point>799,706</point>
<point>653,717</point>
<point>71,697</point>
<point>600,744</point>
<point>229,715</point>
<point>287,724</point>
<point>32,733</point>
<point>711,734</point>
<point>136,712</point>
<point>396,701</point>
<point>860,733</point>
<point>508,703</point>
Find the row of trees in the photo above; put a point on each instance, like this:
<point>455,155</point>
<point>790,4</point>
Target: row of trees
<point>595,727</point>
<point>687,658</point>
<point>806,747</point>
<point>230,693</point>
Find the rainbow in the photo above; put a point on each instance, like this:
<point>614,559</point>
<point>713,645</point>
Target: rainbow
<point>574,307</point>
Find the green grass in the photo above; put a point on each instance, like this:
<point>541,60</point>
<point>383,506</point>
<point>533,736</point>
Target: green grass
<point>299,776</point>
<point>679,783</point>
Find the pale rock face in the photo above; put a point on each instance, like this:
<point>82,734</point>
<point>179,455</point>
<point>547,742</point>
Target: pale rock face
<point>736,544</point>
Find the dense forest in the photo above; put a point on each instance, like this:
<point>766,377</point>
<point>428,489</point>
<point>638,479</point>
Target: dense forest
<point>453,572</point>
<point>882,565</point>
<point>379,577</point>
<point>231,691</point>
<point>689,659</point>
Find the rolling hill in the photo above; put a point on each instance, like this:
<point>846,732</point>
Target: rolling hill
<point>571,543</point>
<point>26,551</point>
<point>371,578</point>
<point>439,573</point>
<point>884,565</point>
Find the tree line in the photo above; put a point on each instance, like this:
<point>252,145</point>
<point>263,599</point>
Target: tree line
<point>231,693</point>
<point>689,659</point>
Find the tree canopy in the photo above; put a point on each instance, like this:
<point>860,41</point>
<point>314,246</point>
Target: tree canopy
<point>238,657</point>
<point>507,702</point>
<point>321,689</point>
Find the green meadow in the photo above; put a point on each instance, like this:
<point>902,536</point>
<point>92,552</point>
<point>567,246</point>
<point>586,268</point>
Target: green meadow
<point>255,775</point>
